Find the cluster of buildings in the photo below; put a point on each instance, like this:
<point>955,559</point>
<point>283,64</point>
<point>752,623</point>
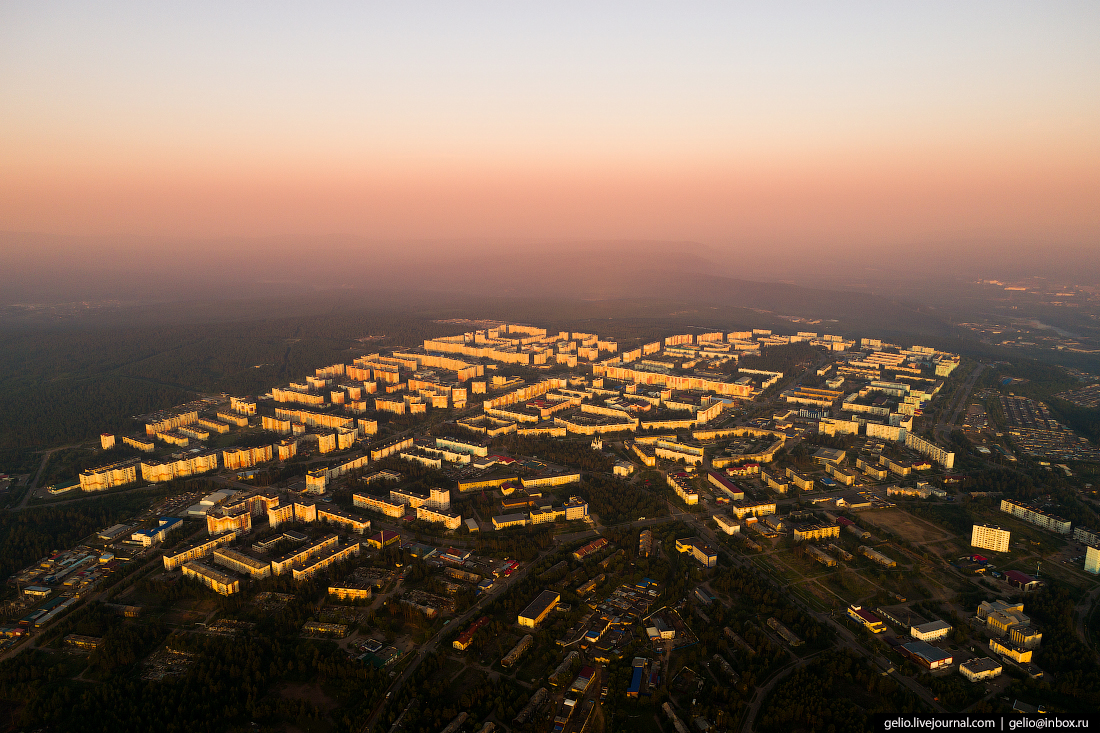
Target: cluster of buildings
<point>1038,434</point>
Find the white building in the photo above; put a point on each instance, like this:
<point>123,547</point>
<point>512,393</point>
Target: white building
<point>726,524</point>
<point>931,631</point>
<point>1092,560</point>
<point>990,537</point>
<point>976,669</point>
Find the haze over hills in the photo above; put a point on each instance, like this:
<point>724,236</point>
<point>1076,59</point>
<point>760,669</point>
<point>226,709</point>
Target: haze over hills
<point>40,268</point>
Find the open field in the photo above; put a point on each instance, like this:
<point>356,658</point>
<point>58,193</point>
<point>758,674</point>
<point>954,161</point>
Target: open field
<point>905,525</point>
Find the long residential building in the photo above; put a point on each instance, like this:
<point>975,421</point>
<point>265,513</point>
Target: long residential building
<point>190,465</point>
<point>314,564</point>
<point>1036,516</point>
<point>161,422</point>
<point>815,531</point>
<point>448,519</point>
<point>109,476</point>
<point>224,519</point>
<point>242,563</point>
<point>215,580</point>
<point>378,504</point>
<point>236,458</point>
<point>174,559</point>
<point>299,556</point>
<point>681,484</point>
<point>611,370</point>
<point>931,450</point>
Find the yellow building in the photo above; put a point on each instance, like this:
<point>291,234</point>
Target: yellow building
<point>219,521</point>
<point>164,421</point>
<point>378,504</point>
<point>330,556</point>
<point>233,419</point>
<point>815,532</point>
<point>145,445</point>
<point>215,580</point>
<point>109,476</point>
<point>237,458</point>
<point>539,609</point>
<point>1013,652</point>
<point>989,537</point>
<point>439,516</point>
<point>176,558</point>
<point>351,591</point>
<point>242,563</point>
<point>190,465</point>
<point>242,405</point>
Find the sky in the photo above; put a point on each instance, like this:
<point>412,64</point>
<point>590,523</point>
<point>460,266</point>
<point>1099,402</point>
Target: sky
<point>863,127</point>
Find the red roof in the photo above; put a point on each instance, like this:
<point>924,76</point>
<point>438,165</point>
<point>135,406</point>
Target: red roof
<point>1019,577</point>
<point>867,616</point>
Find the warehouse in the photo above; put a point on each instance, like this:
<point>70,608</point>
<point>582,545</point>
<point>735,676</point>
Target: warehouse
<point>539,608</point>
<point>926,655</point>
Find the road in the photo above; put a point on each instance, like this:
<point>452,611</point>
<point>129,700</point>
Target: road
<point>845,637</point>
<point>430,646</point>
<point>962,396</point>
<point>37,477</point>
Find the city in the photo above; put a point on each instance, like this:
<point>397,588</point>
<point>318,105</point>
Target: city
<point>584,523</point>
<point>549,367</point>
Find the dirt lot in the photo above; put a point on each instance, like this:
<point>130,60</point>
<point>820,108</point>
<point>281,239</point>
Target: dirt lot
<point>904,525</point>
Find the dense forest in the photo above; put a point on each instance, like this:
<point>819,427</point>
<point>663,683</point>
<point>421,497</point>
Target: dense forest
<point>614,500</point>
<point>836,692</point>
<point>575,454</point>
<point>790,359</point>
<point>64,385</point>
<point>230,681</point>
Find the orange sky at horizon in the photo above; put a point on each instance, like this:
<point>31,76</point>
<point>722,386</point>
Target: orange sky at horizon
<point>861,125</point>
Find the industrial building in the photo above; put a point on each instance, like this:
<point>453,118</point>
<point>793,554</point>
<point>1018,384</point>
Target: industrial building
<point>539,608</point>
<point>926,655</point>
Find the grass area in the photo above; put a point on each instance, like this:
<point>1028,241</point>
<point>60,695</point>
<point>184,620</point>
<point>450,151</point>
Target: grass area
<point>849,585</point>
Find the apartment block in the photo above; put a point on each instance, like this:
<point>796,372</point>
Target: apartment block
<point>191,464</point>
<point>299,556</point>
<point>815,531</point>
<point>681,484</point>
<point>145,445</point>
<point>329,556</point>
<point>990,537</point>
<point>378,504</point>
<point>1036,516</point>
<point>176,558</point>
<point>242,563</point>
<point>109,476</point>
<point>237,520</point>
<point>439,516</point>
<point>237,458</point>
<point>215,580</point>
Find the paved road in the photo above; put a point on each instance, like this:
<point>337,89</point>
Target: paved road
<point>428,648</point>
<point>37,477</point>
<point>962,396</point>
<point>845,636</point>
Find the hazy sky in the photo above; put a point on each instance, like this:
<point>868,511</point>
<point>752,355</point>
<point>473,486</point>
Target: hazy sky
<point>861,124</point>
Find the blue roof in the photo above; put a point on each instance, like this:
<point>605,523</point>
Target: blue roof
<point>636,680</point>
